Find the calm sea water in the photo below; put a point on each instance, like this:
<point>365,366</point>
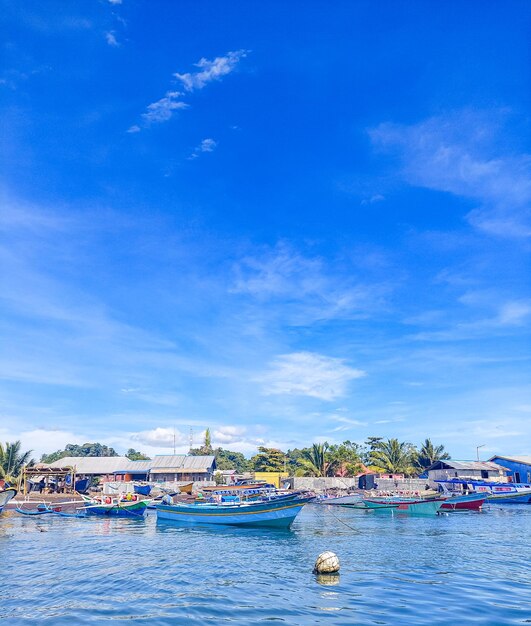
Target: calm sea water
<point>458,569</point>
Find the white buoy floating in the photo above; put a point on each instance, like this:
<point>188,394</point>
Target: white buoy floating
<point>327,563</point>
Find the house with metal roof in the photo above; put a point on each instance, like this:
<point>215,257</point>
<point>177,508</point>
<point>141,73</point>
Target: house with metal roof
<point>474,470</point>
<point>182,467</point>
<point>518,467</point>
<point>92,465</point>
<point>163,468</point>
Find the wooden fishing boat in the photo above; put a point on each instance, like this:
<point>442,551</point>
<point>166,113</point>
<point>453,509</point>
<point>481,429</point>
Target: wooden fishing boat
<point>115,507</point>
<point>276,512</point>
<point>470,502</point>
<point>415,506</point>
<point>5,496</point>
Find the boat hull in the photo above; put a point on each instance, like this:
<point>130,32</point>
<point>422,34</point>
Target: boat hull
<point>5,496</point>
<point>341,500</point>
<point>122,509</point>
<point>411,507</point>
<point>503,493</point>
<point>472,502</point>
<point>280,513</point>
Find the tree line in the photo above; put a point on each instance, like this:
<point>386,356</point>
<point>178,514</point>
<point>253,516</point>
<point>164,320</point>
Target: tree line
<point>386,456</point>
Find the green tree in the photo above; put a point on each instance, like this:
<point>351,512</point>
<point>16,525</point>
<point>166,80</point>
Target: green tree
<point>73,449</point>
<point>314,459</point>
<point>13,459</point>
<point>371,444</point>
<point>345,458</point>
<point>227,460</point>
<point>429,453</point>
<point>207,445</point>
<point>393,457</point>
<point>134,455</point>
<point>269,460</point>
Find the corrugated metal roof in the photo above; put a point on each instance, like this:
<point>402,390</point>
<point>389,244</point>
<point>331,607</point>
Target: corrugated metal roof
<point>93,464</point>
<point>139,466</point>
<point>182,462</point>
<point>179,470</point>
<point>467,465</point>
<point>525,458</point>
<point>177,463</point>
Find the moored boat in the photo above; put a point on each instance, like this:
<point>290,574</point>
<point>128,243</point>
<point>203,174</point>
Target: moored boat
<point>41,509</point>
<point>415,506</point>
<point>504,493</point>
<point>5,496</point>
<point>278,512</point>
<point>340,500</point>
<point>115,507</point>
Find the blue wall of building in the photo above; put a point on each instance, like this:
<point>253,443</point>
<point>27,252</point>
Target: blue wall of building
<point>516,470</point>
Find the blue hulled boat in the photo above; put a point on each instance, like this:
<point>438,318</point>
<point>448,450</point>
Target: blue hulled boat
<point>278,512</point>
<point>504,493</point>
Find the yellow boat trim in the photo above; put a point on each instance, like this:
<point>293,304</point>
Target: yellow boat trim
<point>282,508</point>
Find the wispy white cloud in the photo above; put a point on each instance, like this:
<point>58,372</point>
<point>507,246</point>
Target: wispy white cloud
<point>309,288</point>
<point>505,318</point>
<point>115,1</point>
<point>163,109</point>
<point>207,145</point>
<point>459,153</point>
<point>211,70</point>
<point>110,38</point>
<point>309,374</point>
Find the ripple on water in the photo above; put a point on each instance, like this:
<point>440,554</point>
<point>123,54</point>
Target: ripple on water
<point>454,569</point>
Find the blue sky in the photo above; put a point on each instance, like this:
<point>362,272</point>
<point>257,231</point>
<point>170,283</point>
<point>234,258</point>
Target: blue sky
<point>288,222</point>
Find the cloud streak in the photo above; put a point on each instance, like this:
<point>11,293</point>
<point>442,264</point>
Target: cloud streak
<point>460,154</point>
<point>163,109</point>
<point>210,70</point>
<point>207,145</point>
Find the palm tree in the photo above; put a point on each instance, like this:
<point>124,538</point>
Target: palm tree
<point>315,459</point>
<point>429,453</point>
<point>12,459</point>
<point>393,457</point>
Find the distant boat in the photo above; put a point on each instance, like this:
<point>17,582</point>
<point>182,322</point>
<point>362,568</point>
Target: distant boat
<point>143,490</point>
<point>505,493</point>
<point>5,496</point>
<point>279,512</point>
<point>115,507</point>
<point>416,506</point>
<point>42,509</point>
<point>341,500</point>
<point>82,485</point>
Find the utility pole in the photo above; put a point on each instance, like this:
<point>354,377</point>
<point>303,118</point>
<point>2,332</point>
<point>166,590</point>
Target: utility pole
<point>477,449</point>
<point>174,441</point>
<point>191,438</point>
